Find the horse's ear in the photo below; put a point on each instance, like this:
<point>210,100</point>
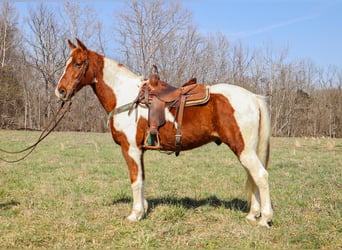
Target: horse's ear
<point>71,45</point>
<point>81,45</point>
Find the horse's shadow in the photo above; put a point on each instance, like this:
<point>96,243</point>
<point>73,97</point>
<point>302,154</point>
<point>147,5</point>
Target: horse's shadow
<point>8,205</point>
<point>191,203</point>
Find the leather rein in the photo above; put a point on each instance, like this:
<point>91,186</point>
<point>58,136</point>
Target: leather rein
<point>53,123</point>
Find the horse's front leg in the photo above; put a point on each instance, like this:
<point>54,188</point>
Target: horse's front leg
<point>134,159</point>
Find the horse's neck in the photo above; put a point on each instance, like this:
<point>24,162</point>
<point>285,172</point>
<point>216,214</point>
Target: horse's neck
<point>120,86</point>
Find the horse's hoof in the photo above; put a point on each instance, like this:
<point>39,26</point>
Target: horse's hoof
<point>145,206</point>
<point>132,217</point>
<point>137,213</point>
<point>251,220</point>
<point>265,223</point>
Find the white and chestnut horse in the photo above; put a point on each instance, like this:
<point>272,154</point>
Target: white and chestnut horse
<point>233,116</point>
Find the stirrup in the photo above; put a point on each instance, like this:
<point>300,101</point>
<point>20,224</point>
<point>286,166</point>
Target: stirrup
<point>150,143</point>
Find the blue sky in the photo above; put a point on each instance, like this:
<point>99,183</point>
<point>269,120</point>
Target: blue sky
<point>309,29</point>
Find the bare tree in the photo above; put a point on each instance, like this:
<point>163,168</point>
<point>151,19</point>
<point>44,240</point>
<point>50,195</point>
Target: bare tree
<point>44,53</point>
<point>11,94</point>
<point>148,27</point>
<point>330,98</point>
<point>304,99</point>
<point>182,57</point>
<point>82,22</point>
<point>8,33</point>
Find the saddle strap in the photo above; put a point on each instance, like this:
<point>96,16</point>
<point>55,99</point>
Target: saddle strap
<point>179,124</point>
<point>146,97</point>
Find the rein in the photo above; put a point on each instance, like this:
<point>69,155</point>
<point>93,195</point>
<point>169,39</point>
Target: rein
<point>55,119</point>
<point>42,136</point>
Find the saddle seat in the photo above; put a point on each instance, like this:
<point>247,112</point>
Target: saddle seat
<point>196,94</point>
<point>158,95</point>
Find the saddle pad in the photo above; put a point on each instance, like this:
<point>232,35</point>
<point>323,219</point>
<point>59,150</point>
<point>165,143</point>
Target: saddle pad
<point>197,96</point>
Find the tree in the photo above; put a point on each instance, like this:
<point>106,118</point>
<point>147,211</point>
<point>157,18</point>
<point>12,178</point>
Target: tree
<point>83,23</point>
<point>11,94</point>
<point>329,98</point>
<point>45,55</point>
<point>182,57</point>
<point>304,99</point>
<point>146,29</point>
<point>8,33</point>
<point>11,101</point>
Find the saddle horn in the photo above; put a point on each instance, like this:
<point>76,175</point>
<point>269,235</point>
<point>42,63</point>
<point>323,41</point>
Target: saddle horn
<point>155,69</point>
<point>154,76</point>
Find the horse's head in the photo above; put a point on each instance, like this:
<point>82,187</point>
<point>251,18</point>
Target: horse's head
<point>76,73</point>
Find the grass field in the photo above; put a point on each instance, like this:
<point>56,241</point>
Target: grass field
<point>74,192</point>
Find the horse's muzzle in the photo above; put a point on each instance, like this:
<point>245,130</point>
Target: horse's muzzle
<point>61,94</point>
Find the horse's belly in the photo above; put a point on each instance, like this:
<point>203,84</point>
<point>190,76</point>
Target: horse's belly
<point>197,128</point>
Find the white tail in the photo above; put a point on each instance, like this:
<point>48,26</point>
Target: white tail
<point>263,149</point>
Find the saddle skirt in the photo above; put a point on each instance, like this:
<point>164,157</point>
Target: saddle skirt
<point>157,95</point>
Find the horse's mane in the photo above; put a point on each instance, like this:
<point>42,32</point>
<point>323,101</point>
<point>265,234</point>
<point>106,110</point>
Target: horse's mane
<point>121,67</point>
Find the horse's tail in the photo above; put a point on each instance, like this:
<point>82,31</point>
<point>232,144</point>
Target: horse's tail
<point>263,146</point>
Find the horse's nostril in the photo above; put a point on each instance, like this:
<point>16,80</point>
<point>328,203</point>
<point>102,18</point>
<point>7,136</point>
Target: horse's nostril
<point>62,93</point>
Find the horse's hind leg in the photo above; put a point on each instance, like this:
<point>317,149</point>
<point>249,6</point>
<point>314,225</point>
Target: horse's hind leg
<point>260,191</point>
<point>253,199</point>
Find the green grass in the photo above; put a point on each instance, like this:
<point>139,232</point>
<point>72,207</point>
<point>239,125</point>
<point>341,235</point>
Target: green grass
<point>74,192</point>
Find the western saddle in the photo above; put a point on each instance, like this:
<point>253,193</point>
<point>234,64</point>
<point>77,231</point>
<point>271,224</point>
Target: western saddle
<point>157,95</point>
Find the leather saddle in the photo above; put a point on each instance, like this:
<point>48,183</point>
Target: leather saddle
<point>158,95</point>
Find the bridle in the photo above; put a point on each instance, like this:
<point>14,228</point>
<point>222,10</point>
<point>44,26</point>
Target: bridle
<point>85,67</point>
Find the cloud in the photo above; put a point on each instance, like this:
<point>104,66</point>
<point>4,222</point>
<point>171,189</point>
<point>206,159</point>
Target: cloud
<point>245,34</point>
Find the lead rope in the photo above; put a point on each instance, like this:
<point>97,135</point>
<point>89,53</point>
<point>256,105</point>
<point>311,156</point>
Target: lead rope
<point>42,136</point>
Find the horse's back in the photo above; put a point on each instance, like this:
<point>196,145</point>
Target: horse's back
<point>242,100</point>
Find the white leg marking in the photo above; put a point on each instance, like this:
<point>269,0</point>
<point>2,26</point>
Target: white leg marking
<point>254,212</point>
<point>140,204</point>
<point>259,174</point>
<point>254,199</point>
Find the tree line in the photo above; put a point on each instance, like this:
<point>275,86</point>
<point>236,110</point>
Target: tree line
<point>305,99</point>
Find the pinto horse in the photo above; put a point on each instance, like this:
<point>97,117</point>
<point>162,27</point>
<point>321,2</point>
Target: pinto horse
<point>233,116</point>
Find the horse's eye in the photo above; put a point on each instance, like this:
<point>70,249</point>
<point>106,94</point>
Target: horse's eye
<point>78,65</point>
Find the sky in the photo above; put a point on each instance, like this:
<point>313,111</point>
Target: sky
<point>309,29</point>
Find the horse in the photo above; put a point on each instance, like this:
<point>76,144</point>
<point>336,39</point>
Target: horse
<point>233,116</point>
